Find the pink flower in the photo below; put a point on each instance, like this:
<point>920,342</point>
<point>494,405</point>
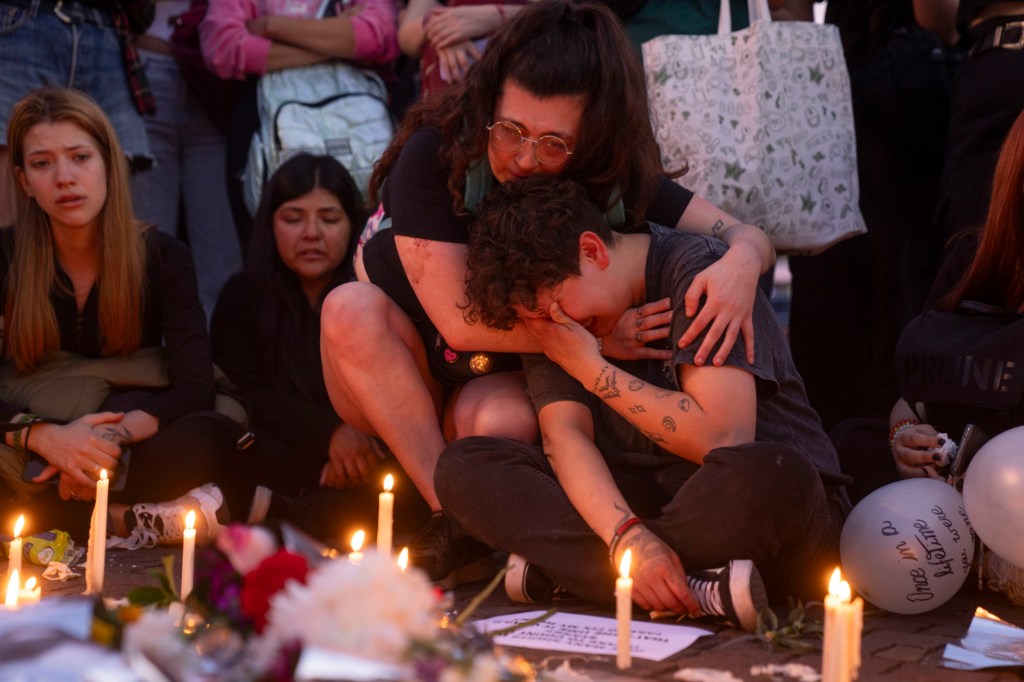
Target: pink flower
<point>246,546</point>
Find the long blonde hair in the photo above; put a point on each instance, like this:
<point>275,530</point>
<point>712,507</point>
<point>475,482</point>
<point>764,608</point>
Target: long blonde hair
<point>31,336</point>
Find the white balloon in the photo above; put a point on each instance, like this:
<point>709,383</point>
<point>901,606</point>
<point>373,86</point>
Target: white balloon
<point>907,547</point>
<point>994,494</point>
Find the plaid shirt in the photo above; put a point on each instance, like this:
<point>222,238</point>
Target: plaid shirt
<point>131,17</point>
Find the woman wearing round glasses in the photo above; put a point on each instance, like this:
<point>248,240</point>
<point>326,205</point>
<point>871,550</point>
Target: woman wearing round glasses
<point>559,90</point>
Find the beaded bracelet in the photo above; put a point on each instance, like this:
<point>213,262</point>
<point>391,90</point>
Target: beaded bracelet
<point>629,523</point>
<point>600,345</point>
<point>897,429</point>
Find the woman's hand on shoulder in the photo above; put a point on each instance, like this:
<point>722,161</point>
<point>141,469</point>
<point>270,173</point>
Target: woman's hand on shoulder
<point>730,285</point>
<point>75,450</point>
<point>353,458</point>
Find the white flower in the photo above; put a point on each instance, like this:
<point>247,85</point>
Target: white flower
<point>371,610</point>
<point>156,634</point>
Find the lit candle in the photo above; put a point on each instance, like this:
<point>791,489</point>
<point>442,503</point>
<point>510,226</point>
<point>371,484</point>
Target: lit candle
<point>99,542</point>
<point>403,559</point>
<point>840,656</point>
<point>188,555</point>
<point>356,556</point>
<point>624,610</point>
<point>15,550</point>
<point>31,593</point>
<point>11,599</point>
<point>385,516</point>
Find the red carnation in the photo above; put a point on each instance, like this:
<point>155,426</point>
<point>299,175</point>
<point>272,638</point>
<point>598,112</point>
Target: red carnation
<point>266,580</point>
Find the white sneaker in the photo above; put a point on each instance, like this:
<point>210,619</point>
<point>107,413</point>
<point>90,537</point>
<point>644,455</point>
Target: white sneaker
<point>163,523</point>
<point>1006,578</point>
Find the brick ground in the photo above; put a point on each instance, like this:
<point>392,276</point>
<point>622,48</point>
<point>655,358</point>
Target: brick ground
<point>905,648</point>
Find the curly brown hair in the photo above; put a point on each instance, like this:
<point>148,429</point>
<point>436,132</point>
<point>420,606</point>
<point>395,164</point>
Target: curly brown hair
<point>552,48</point>
<point>524,238</point>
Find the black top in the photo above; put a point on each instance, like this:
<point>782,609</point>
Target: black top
<point>417,199</point>
<point>306,423</point>
<point>783,412</point>
<point>172,317</point>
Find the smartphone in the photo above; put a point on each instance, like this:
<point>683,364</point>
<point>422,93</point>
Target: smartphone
<point>35,465</point>
<point>970,443</point>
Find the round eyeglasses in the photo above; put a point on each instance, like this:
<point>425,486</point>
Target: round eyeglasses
<point>549,150</point>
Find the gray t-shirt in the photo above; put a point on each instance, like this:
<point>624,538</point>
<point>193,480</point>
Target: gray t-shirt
<point>783,413</point>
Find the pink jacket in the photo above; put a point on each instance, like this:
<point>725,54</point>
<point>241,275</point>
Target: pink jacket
<point>230,51</point>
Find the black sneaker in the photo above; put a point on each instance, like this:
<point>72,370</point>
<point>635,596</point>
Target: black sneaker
<point>449,557</point>
<point>734,592</point>
<point>268,506</point>
<point>525,584</point>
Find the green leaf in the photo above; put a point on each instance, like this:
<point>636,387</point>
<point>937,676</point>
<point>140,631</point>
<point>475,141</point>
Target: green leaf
<point>147,595</point>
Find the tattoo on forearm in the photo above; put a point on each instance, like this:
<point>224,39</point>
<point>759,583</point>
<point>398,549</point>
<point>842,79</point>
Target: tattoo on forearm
<point>635,385</point>
<point>669,423</point>
<point>662,393</point>
<point>626,514</point>
<point>684,404</point>
<point>655,438</point>
<point>606,385</point>
<point>117,434</point>
<point>717,227</point>
<point>637,409</point>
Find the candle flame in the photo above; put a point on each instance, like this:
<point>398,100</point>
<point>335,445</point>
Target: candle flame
<point>627,560</point>
<point>19,525</point>
<point>190,520</point>
<point>11,599</point>
<point>389,483</point>
<point>403,559</point>
<point>833,583</point>
<point>357,540</point>
<point>103,474</point>
<point>839,588</point>
<point>30,584</point>
<point>844,592</point>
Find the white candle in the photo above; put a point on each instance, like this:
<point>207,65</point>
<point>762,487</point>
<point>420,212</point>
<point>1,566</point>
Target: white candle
<point>15,550</point>
<point>840,656</point>
<point>11,598</point>
<point>188,555</point>
<point>403,559</point>
<point>385,516</point>
<point>99,548</point>
<point>624,611</point>
<point>31,593</point>
<point>356,555</point>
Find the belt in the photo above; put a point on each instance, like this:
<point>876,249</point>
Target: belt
<point>1006,36</point>
<point>68,11</point>
<point>152,44</point>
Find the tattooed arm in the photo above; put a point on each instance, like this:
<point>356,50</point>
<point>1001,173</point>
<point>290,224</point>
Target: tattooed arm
<point>659,578</point>
<point>717,407</point>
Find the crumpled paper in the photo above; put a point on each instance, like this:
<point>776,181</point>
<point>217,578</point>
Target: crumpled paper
<point>56,570</point>
<point>990,643</point>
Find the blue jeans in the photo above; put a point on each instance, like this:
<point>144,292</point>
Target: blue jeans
<point>759,501</point>
<point>38,48</point>
<point>188,172</point>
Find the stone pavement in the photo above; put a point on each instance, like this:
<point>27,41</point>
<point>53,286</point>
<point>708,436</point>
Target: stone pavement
<point>905,648</point>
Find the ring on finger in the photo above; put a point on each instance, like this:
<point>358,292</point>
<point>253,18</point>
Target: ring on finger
<point>639,337</point>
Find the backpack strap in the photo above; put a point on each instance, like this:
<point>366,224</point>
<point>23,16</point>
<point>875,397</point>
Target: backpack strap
<point>480,180</point>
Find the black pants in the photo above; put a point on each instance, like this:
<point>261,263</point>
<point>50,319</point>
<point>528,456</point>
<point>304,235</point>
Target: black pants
<point>758,501</point>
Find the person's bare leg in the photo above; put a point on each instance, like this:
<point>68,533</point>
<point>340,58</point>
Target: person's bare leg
<point>375,368</point>
<point>494,405</point>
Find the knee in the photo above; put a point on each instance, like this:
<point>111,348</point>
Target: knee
<point>351,315</point>
<point>774,473</point>
<point>464,466</point>
<point>515,419</point>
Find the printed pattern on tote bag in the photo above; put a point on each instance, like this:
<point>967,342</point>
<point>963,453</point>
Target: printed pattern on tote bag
<point>763,117</point>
